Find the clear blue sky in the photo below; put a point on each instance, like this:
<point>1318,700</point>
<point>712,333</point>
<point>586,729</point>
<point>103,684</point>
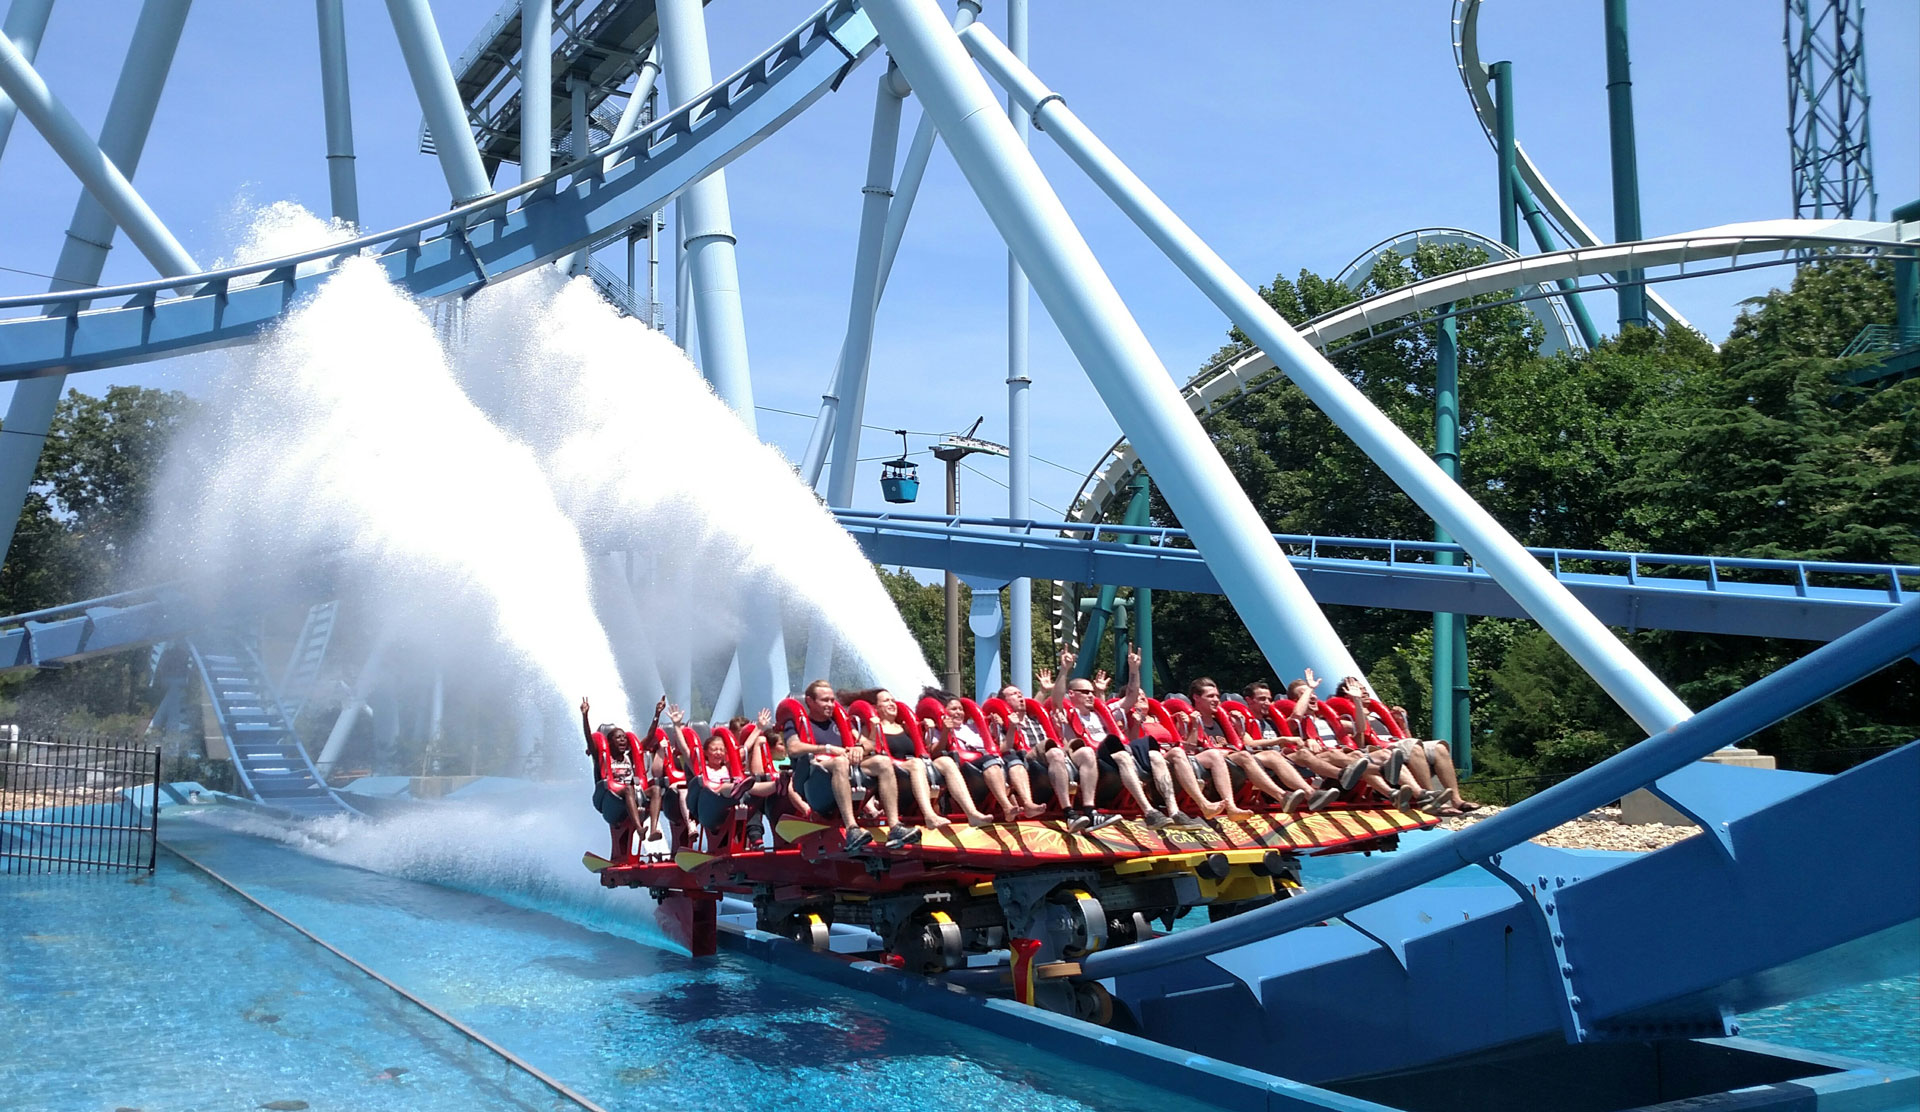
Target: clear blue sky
<point>1289,135</point>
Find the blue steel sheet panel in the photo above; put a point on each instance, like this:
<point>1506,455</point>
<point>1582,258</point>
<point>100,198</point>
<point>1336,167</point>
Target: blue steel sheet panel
<point>1811,873</point>
<point>49,641</point>
<point>120,627</point>
<point>13,649</point>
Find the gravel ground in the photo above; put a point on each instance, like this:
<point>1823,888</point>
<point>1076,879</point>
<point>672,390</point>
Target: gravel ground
<point>1599,829</point>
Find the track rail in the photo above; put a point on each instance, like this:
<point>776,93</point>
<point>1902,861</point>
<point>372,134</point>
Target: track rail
<point>1473,74</point>
<point>463,249</point>
<point>1735,246</point>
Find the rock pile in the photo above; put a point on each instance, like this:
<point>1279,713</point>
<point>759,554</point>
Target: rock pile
<point>1600,829</point>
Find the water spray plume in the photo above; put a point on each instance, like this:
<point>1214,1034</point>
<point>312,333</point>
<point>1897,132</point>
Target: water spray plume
<point>343,438</point>
<point>645,458</point>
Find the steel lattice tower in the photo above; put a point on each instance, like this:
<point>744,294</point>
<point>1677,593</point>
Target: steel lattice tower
<point>1827,109</point>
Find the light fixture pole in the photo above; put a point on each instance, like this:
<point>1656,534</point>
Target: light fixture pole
<point>950,451</point>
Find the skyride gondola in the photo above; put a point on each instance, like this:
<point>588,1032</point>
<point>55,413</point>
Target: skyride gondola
<point>1010,907</point>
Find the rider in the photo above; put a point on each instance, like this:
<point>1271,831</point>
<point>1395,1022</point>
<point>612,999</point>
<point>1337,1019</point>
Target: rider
<point>1131,759</point>
<point>825,770</point>
<point>964,750</point>
<point>613,781</point>
<point>1063,767</point>
<point>1333,765</point>
<point>1267,770</point>
<point>889,733</point>
<point>1386,774</point>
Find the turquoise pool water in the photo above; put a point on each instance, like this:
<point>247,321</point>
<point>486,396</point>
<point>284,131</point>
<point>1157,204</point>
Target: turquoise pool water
<point>171,993</point>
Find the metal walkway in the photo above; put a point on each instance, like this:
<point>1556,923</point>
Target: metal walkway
<point>1804,600</point>
<point>272,764</point>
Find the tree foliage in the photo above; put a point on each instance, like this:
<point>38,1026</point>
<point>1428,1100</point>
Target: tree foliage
<point>1650,442</point>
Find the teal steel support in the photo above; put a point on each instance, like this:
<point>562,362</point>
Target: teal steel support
<point>1503,142</point>
<point>1451,722</point>
<point>1906,280</point>
<point>1019,449</point>
<point>343,190</point>
<point>1626,170</point>
<point>536,88</point>
<point>1103,610</point>
<point>26,22</point>
<point>83,256</point>
<point>440,101</point>
<point>1543,239</point>
<point>1624,677</point>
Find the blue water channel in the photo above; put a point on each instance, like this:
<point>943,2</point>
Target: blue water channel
<point>171,992</point>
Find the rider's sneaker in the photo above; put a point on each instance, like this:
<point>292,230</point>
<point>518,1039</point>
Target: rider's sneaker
<point>1351,775</point>
<point>1159,820</point>
<point>1294,801</point>
<point>1101,820</point>
<point>1403,797</point>
<point>857,840</point>
<point>1079,821</point>
<point>1322,800</point>
<point>1181,818</point>
<point>902,836</point>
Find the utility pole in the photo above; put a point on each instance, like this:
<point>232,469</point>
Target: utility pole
<point>950,451</point>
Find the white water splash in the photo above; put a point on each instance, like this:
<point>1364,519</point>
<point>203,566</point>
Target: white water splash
<point>343,439</point>
<point>644,457</point>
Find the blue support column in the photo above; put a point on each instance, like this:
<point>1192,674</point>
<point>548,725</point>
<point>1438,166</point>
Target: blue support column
<point>26,22</point>
<point>856,346</point>
<point>714,273</point>
<point>90,235</point>
<point>1103,607</point>
<point>1019,446</point>
<point>1107,341</point>
<point>536,88</point>
<point>985,620</point>
<point>93,166</point>
<point>905,189</point>
<point>1618,672</point>
<point>337,105</point>
<point>1450,703</point>
<point>439,99</point>
<point>1626,170</point>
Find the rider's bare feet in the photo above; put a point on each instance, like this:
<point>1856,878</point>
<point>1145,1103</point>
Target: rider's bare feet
<point>1211,810</point>
<point>1033,810</point>
<point>936,822</point>
<point>1237,813</point>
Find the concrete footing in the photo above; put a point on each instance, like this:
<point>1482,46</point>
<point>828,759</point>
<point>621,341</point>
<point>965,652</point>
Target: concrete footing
<point>1643,808</point>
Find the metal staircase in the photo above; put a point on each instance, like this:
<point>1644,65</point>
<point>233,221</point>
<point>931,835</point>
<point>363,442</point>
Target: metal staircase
<point>272,765</point>
<point>303,663</point>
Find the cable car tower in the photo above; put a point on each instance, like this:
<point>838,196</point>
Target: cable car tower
<point>1827,110</point>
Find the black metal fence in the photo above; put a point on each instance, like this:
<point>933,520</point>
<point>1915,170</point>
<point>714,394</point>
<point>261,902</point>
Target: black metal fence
<point>71,806</point>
